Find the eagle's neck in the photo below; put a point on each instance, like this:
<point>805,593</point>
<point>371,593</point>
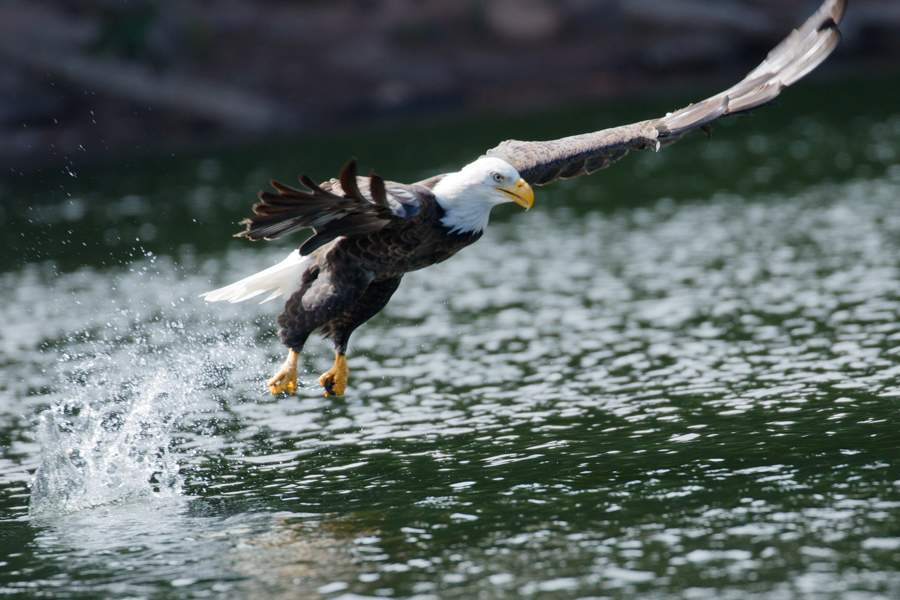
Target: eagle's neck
<point>467,204</point>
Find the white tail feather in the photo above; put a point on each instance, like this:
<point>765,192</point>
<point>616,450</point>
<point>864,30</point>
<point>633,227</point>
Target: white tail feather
<point>284,278</point>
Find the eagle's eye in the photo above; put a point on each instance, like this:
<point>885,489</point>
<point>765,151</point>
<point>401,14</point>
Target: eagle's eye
<point>499,178</point>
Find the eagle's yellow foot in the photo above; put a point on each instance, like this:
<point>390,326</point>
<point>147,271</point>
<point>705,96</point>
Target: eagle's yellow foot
<point>286,376</point>
<point>335,379</point>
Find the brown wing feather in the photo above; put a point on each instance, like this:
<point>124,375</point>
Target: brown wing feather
<point>798,54</point>
<point>377,189</point>
<point>333,209</point>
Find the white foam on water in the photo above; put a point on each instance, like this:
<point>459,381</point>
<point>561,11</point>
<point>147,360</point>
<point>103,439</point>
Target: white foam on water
<point>135,382</point>
<point>111,440</point>
<point>114,436</point>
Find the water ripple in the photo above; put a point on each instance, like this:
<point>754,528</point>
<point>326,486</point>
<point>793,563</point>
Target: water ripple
<point>691,399</point>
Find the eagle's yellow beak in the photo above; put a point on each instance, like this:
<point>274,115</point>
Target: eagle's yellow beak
<point>520,193</point>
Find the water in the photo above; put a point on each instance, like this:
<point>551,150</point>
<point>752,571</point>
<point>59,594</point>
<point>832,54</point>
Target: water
<point>675,379</point>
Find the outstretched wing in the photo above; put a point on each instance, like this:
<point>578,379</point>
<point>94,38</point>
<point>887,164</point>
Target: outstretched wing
<point>802,51</point>
<point>346,206</point>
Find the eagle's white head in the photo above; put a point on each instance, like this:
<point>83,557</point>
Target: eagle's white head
<point>468,195</point>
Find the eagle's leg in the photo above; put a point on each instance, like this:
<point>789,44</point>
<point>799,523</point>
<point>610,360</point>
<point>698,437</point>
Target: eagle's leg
<point>335,379</point>
<point>339,329</point>
<point>286,376</point>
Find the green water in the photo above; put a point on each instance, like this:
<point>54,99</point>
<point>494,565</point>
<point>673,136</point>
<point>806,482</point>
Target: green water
<point>677,378</point>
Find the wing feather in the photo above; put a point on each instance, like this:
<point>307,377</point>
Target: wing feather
<point>347,206</point>
<point>797,55</point>
<point>377,189</point>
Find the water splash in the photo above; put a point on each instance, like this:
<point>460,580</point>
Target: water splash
<point>110,442</point>
<point>134,386</point>
<point>119,432</point>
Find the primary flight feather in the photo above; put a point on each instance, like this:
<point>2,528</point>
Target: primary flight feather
<point>368,233</point>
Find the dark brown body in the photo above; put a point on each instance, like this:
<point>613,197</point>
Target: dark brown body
<point>352,278</point>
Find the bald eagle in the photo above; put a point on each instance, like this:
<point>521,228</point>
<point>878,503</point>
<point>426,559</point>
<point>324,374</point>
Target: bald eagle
<point>368,232</point>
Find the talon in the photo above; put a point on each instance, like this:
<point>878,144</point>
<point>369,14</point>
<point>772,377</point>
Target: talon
<point>335,379</point>
<point>285,377</point>
<point>329,391</point>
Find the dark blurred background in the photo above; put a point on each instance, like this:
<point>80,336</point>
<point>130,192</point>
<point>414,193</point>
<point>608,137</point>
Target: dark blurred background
<point>83,79</point>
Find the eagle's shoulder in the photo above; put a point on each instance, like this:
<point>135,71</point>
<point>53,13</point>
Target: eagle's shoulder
<point>403,200</point>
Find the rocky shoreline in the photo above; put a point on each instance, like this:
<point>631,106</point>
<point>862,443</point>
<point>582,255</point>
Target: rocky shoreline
<point>104,77</point>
